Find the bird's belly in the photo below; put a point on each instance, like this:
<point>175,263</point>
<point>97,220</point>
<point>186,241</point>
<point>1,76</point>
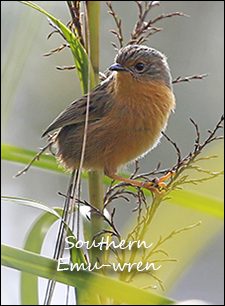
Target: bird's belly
<point>108,145</point>
<point>134,144</point>
<point>122,143</point>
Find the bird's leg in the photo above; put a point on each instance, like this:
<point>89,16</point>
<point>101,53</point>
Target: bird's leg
<point>146,185</point>
<point>152,186</point>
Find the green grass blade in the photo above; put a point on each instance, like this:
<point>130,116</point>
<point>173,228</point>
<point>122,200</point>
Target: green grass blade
<point>79,52</point>
<point>200,202</point>
<point>31,203</point>
<point>33,243</point>
<point>45,267</point>
<point>197,201</point>
<point>24,156</point>
<point>41,226</point>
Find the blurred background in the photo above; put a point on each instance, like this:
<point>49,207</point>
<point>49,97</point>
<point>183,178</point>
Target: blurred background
<point>34,93</point>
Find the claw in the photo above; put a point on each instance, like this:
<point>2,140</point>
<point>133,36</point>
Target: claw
<point>157,185</point>
<point>151,186</point>
<point>162,185</point>
<point>166,177</point>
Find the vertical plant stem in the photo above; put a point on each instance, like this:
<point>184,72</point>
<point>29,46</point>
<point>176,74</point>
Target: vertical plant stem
<point>93,9</point>
<point>95,177</point>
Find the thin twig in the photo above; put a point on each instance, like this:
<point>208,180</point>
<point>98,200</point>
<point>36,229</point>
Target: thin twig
<point>53,51</point>
<point>37,156</point>
<point>175,146</point>
<point>118,22</point>
<point>179,79</point>
<point>57,29</point>
<point>65,67</point>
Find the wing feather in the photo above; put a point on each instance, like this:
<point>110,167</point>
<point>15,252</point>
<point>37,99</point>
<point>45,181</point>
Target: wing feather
<point>75,112</point>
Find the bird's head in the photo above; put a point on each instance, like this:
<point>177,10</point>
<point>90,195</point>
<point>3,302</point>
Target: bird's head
<point>143,63</point>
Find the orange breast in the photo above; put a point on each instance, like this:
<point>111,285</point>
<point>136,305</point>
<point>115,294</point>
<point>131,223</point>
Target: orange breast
<point>135,121</point>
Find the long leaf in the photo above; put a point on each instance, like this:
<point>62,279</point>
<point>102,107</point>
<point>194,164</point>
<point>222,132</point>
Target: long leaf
<point>200,202</point>
<point>50,216</point>
<point>31,203</point>
<point>34,242</point>
<point>24,156</point>
<point>45,267</point>
<point>79,53</point>
<point>191,199</point>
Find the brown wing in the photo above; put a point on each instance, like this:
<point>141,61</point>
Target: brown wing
<point>75,113</point>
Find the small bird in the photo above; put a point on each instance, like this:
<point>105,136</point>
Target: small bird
<point>127,113</point>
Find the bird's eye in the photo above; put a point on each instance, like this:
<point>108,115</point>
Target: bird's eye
<point>139,67</point>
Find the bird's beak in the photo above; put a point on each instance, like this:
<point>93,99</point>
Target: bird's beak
<point>117,67</point>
